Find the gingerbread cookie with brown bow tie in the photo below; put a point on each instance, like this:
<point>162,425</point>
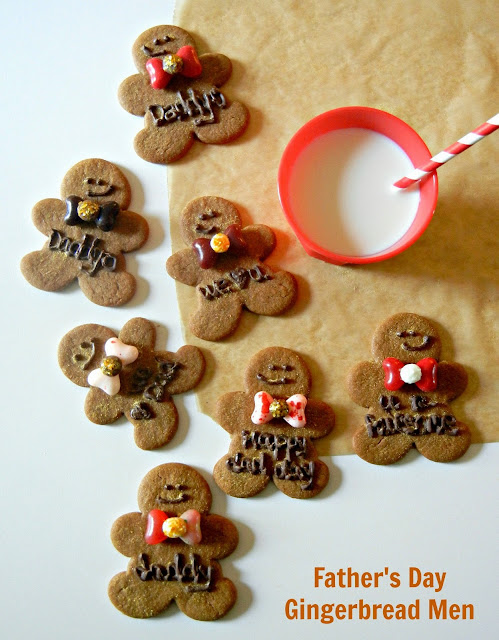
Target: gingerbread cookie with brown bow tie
<point>407,391</point>
<point>224,261</point>
<point>128,376</point>
<point>178,93</point>
<point>88,232</point>
<point>173,545</point>
<point>272,425</point>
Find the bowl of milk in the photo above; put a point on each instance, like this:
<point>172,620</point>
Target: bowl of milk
<point>335,185</point>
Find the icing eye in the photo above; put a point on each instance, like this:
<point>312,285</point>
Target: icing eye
<point>405,334</point>
<point>180,487</point>
<point>89,181</point>
<point>168,487</point>
<point>100,182</point>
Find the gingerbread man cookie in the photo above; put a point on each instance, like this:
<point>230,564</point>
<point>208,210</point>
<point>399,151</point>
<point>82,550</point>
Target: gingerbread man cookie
<point>179,94</point>
<point>88,232</point>
<point>174,545</point>
<point>272,426</point>
<point>224,263</point>
<point>407,390</point>
<point>127,376</point>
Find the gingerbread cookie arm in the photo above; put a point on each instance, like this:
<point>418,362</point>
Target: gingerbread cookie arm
<point>217,68</point>
<point>320,418</point>
<point>135,94</point>
<point>48,214</point>
<point>452,380</point>
<point>109,288</point>
<point>233,410</point>
<point>365,383</point>
<point>129,233</point>
<point>220,537</point>
<point>183,266</point>
<point>49,270</point>
<point>261,240</point>
<point>139,332</point>
<point>127,534</point>
<point>188,368</point>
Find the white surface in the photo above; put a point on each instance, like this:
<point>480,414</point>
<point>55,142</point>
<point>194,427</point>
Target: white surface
<point>64,479</point>
<point>341,189</point>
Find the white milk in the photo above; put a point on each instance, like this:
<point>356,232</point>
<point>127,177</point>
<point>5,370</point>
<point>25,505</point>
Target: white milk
<point>341,190</point>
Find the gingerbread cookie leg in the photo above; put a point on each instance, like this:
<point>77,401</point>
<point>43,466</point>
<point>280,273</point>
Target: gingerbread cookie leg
<point>154,424</point>
<point>136,598</point>
<point>48,271</point>
<point>309,479</point>
<point>109,289</point>
<point>211,604</point>
<point>239,485</point>
<point>220,132</point>
<point>381,449</point>
<point>445,448</point>
<point>216,319</point>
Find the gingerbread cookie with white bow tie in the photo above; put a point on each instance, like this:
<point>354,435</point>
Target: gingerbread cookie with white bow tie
<point>173,545</point>
<point>178,93</point>
<point>407,391</point>
<point>128,376</point>
<point>272,425</point>
<point>88,229</point>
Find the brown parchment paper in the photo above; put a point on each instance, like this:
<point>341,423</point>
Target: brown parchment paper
<point>433,63</point>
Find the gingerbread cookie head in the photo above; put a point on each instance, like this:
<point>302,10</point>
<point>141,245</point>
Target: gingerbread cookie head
<point>173,545</point>
<point>178,93</point>
<point>128,376</point>
<point>88,232</point>
<point>272,426</point>
<point>98,181</point>
<point>224,261</point>
<point>407,390</point>
<point>158,43</point>
<point>174,488</point>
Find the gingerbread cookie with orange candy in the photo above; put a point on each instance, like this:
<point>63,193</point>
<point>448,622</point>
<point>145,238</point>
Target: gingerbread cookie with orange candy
<point>178,93</point>
<point>128,376</point>
<point>173,544</point>
<point>407,390</point>
<point>88,229</point>
<point>224,261</point>
<point>272,425</point>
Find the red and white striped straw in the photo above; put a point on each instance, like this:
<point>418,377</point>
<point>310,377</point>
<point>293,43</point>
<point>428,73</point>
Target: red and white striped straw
<point>451,152</point>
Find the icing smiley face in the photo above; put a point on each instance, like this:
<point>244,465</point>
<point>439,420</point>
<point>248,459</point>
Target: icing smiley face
<point>158,42</point>
<point>97,180</point>
<point>279,372</point>
<point>408,337</point>
<point>174,488</point>
<point>207,216</point>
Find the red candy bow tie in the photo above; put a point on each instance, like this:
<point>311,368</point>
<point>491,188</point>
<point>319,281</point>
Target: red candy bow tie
<point>423,374</point>
<point>161,526</point>
<point>292,410</point>
<point>190,67</point>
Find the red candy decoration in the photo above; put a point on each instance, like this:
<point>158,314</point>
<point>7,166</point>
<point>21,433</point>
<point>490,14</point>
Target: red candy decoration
<point>393,381</point>
<point>154,531</point>
<point>191,67</point>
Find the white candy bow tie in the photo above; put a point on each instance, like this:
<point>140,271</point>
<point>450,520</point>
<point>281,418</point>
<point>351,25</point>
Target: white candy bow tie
<point>292,410</point>
<point>106,377</point>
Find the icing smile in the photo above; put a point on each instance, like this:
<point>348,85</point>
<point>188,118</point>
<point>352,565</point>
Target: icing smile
<point>177,498</point>
<point>424,344</point>
<point>282,380</point>
<point>91,192</point>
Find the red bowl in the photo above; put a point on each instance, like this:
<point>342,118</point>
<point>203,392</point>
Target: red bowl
<point>364,118</point>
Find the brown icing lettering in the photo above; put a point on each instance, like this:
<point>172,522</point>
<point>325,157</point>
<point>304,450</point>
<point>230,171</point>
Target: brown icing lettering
<point>296,471</point>
<point>241,464</point>
<point>275,443</point>
<point>199,106</point>
<point>420,403</point>
<point>389,403</point>
<point>233,281</point>
<point>152,384</point>
<point>196,576</point>
<point>412,425</point>
<point>86,250</point>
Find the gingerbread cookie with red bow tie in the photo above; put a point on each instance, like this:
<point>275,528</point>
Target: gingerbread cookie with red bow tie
<point>224,261</point>
<point>272,425</point>
<point>173,545</point>
<point>88,232</point>
<point>127,376</point>
<point>407,391</point>
<point>178,93</point>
